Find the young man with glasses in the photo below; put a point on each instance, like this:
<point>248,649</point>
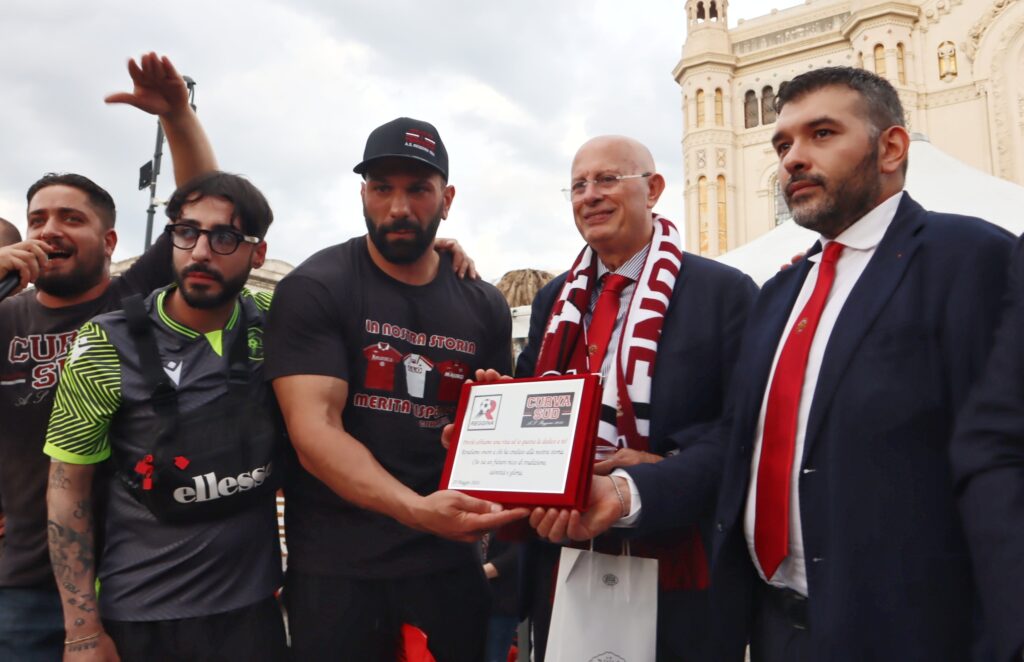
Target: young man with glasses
<point>662,327</point>
<point>66,254</point>
<point>191,557</point>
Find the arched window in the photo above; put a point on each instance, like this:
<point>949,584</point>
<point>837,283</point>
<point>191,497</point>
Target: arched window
<point>901,66</point>
<point>750,109</point>
<point>700,11</point>
<point>719,108</point>
<point>860,59</point>
<point>686,112</point>
<point>767,105</point>
<point>702,213</point>
<point>700,108</point>
<point>880,59</point>
<point>723,228</point>
<point>713,11</point>
<point>947,60</point>
<point>782,213</point>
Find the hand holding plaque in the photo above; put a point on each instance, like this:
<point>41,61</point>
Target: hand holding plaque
<point>526,442</point>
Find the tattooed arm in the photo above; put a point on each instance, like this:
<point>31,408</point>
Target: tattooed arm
<point>73,556</point>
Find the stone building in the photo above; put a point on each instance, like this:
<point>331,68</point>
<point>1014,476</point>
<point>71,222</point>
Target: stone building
<point>958,66</point>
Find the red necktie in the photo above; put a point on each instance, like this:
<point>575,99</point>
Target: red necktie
<point>603,321</point>
<point>771,517</point>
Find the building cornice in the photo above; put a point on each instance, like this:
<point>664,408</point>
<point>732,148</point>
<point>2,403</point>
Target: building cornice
<point>786,19</point>
<point>882,14</point>
<point>702,137</point>
<point>714,62</point>
<point>826,43</point>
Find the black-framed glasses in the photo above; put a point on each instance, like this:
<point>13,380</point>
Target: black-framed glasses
<point>602,183</point>
<point>223,241</point>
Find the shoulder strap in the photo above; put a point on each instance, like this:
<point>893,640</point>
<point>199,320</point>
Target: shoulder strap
<point>164,396</point>
<point>238,355</point>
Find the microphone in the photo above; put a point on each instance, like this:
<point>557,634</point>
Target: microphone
<point>8,283</point>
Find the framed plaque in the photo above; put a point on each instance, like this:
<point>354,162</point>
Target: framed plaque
<point>526,442</point>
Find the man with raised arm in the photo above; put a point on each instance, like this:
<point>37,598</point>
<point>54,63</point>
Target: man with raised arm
<point>368,343</point>
<point>67,254</point>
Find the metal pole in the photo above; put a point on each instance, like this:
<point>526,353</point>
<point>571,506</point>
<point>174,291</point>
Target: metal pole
<point>157,154</point>
<point>151,211</point>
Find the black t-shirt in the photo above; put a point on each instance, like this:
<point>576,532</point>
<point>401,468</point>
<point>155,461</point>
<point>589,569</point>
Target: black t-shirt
<point>403,350</point>
<point>34,341</point>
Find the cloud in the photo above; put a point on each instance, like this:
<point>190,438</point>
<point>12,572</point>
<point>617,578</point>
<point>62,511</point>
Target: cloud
<point>289,91</point>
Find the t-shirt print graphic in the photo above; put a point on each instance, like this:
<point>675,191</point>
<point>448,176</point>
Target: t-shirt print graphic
<point>416,369</point>
<point>381,361</point>
<point>453,374</point>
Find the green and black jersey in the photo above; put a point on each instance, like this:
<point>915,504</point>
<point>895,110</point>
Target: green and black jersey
<point>152,570</point>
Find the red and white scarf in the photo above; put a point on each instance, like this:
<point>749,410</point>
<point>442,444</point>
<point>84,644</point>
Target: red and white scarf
<point>627,389</point>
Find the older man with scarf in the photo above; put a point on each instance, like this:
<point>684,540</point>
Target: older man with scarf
<point>662,326</point>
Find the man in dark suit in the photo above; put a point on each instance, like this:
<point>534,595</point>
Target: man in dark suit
<point>988,464</point>
<point>666,352</point>
<point>838,537</point>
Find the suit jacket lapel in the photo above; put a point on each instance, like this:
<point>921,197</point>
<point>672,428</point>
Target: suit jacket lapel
<point>869,295</point>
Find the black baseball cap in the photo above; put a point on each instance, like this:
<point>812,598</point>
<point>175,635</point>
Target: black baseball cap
<point>409,139</point>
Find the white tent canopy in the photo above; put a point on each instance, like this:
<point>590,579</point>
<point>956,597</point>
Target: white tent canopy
<point>935,179</point>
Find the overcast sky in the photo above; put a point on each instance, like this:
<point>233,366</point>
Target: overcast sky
<point>289,91</point>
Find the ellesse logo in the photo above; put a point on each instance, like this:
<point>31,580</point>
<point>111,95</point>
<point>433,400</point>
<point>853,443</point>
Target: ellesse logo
<point>208,487</point>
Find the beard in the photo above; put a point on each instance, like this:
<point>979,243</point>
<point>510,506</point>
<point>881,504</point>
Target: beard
<point>405,250</point>
<point>203,297</point>
<point>87,272</point>
<point>844,202</point>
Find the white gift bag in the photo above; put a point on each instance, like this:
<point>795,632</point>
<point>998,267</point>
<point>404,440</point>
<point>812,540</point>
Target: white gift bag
<point>606,608</point>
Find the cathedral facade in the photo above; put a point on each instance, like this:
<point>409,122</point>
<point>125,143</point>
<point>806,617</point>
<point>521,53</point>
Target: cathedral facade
<point>958,66</point>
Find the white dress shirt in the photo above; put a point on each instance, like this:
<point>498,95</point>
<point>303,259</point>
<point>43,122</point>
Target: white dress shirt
<point>860,239</point>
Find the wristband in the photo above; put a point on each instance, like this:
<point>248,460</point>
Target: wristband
<point>622,502</point>
<point>90,637</point>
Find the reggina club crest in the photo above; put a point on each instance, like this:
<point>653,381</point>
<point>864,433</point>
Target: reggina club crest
<point>484,412</point>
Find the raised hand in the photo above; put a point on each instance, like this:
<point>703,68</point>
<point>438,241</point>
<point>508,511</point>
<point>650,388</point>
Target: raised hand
<point>159,88</point>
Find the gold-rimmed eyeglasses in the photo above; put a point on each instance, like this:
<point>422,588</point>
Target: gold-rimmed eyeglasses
<point>603,183</point>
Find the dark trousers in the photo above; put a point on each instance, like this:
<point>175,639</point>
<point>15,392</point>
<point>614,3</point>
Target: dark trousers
<point>255,632</point>
<point>31,625</point>
<point>780,632</point>
<point>341,618</point>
